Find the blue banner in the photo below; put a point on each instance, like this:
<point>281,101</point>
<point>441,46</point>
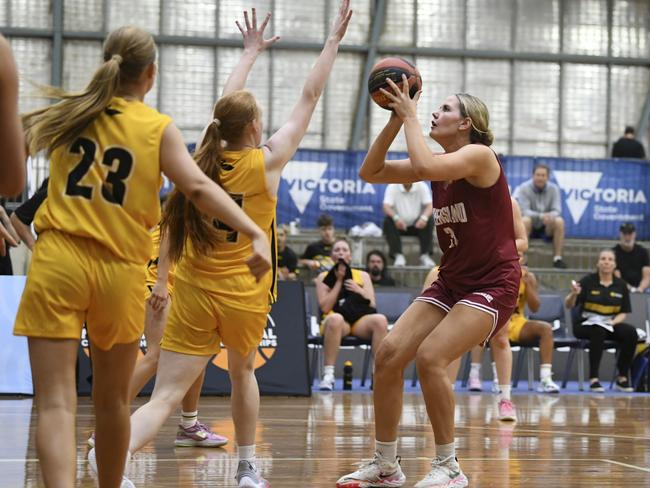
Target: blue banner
<point>597,195</point>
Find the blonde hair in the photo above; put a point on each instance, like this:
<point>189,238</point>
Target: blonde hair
<point>181,219</point>
<point>477,111</point>
<point>127,52</point>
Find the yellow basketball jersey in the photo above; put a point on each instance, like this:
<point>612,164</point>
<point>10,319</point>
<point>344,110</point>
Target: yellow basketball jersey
<point>104,186</point>
<point>152,265</point>
<point>521,300</point>
<point>243,176</point>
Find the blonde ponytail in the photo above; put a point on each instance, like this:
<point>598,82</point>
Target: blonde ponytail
<point>127,52</point>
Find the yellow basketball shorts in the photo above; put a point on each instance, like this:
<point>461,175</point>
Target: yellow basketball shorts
<point>73,280</point>
<point>331,312</point>
<point>201,320</point>
<point>517,323</point>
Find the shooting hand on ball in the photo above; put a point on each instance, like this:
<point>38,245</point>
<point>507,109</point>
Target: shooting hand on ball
<point>401,103</point>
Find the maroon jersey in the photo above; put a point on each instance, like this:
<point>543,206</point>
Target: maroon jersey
<point>476,234</point>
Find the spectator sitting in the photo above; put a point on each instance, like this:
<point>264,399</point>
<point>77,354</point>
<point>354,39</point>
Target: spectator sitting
<point>287,259</point>
<point>408,212</point>
<point>346,297</point>
<point>632,261</point>
<point>603,301</point>
<point>541,210</point>
<point>318,255</point>
<point>376,268</point>
<point>627,146</point>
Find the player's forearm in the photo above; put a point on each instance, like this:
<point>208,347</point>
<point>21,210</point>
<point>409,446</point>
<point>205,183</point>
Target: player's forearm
<point>239,75</point>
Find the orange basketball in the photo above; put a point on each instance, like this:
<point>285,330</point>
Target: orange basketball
<point>392,68</point>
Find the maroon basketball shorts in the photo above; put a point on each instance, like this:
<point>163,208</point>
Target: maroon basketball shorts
<point>498,301</point>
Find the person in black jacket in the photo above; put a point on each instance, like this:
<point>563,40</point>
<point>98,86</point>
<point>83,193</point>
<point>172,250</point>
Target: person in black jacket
<point>627,146</point>
<point>602,301</point>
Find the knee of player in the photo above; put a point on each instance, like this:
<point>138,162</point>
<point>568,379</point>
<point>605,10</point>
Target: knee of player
<point>334,324</point>
<point>431,361</point>
<point>500,341</point>
<point>386,356</point>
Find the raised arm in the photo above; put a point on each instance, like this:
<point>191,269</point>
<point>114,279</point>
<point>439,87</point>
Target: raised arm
<point>12,141</point>
<point>283,144</point>
<point>210,198</point>
<point>254,44</point>
<point>474,162</point>
<point>376,168</point>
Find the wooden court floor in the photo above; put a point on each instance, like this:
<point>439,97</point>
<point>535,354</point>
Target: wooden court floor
<point>564,441</point>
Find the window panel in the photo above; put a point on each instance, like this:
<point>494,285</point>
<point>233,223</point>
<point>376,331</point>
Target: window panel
<point>629,88</point>
<point>143,13</point>
<point>187,99</point>
<point>441,23</point>
<point>538,26</point>
<point>80,60</point>
<point>490,81</point>
<point>398,26</point>
<point>30,13</point>
<point>190,18</point>
<point>585,27</point>
<point>34,62</point>
<point>630,28</point>
<point>536,102</point>
<point>232,10</point>
<point>585,103</point>
<point>488,24</point>
<point>82,15</point>
<point>341,100</point>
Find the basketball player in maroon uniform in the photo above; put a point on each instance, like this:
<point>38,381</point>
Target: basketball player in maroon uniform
<point>476,291</point>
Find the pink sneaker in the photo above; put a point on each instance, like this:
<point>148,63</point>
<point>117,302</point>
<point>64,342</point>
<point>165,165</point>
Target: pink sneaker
<point>199,435</point>
<point>507,411</point>
<point>475,384</point>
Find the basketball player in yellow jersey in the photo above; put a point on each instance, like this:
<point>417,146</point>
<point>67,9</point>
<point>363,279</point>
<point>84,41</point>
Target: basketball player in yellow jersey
<point>107,150</point>
<point>158,294</point>
<point>215,301</point>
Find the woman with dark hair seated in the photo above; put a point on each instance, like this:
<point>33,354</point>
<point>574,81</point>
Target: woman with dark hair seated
<point>603,301</point>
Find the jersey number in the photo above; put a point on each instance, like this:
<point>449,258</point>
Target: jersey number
<point>453,240</point>
<point>113,189</point>
<point>231,234</point>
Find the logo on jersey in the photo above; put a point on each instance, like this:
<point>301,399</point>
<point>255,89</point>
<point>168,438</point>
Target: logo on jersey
<point>487,296</point>
<point>264,353</point>
<point>451,214</point>
<point>581,188</point>
<point>305,177</point>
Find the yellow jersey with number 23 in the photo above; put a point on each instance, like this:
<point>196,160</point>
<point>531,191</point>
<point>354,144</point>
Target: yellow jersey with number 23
<point>104,186</point>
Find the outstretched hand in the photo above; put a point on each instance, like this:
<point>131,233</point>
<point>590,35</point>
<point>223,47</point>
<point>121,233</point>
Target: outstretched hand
<point>401,102</point>
<point>342,21</point>
<point>254,37</point>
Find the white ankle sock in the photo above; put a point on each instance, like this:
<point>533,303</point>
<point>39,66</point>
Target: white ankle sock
<point>505,392</point>
<point>544,371</point>
<point>189,419</point>
<point>475,371</point>
<point>495,376</point>
<point>387,450</point>
<point>444,451</point>
<point>246,453</point>
<point>328,370</point>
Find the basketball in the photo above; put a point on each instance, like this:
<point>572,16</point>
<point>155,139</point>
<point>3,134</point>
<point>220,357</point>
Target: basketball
<point>392,68</point>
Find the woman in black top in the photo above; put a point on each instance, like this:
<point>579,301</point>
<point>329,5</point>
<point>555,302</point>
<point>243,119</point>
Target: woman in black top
<point>603,302</point>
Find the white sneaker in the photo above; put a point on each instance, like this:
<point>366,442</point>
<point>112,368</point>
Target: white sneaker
<point>445,473</point>
<point>249,477</point>
<point>92,462</point>
<point>400,261</point>
<point>327,383</point>
<point>425,260</point>
<point>376,472</point>
<point>547,385</point>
